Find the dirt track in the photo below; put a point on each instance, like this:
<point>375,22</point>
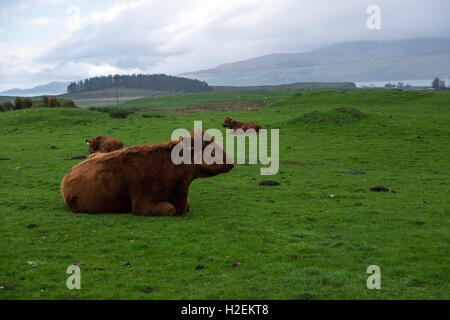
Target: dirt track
<point>223,106</point>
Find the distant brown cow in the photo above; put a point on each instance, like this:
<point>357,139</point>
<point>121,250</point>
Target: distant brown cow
<point>139,179</point>
<point>234,124</point>
<point>104,144</point>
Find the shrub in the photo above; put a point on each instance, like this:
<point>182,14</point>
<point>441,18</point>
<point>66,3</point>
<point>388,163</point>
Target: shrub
<point>18,103</point>
<point>53,103</point>
<point>6,106</point>
<point>119,113</point>
<point>99,109</point>
<point>27,103</point>
<point>46,101</point>
<point>67,103</point>
<point>50,102</point>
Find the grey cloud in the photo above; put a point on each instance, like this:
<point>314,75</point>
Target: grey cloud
<point>142,38</point>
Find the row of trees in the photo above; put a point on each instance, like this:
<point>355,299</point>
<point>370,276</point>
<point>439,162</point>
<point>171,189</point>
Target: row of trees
<point>27,103</point>
<point>156,82</point>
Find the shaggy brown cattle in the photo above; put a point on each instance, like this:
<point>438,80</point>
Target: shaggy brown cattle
<point>139,179</point>
<point>234,124</point>
<point>104,144</point>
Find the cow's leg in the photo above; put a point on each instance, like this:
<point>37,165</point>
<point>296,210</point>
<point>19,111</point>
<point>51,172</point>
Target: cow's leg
<point>163,208</point>
<point>145,207</point>
<point>181,199</point>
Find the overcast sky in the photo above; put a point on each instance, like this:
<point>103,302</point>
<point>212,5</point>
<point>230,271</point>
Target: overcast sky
<point>47,40</point>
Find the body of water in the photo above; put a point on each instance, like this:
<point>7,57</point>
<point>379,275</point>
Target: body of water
<point>415,83</point>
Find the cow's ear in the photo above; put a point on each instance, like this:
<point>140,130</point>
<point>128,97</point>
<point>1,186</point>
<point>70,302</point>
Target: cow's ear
<point>88,142</point>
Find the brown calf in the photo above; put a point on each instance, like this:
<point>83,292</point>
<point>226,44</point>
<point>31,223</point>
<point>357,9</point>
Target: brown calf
<point>234,124</point>
<point>104,144</point>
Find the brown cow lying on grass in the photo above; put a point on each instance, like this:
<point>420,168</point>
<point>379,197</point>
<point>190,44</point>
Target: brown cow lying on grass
<point>139,179</point>
<point>104,144</point>
<point>234,124</point>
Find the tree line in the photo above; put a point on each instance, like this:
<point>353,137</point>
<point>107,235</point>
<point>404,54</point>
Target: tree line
<point>156,82</point>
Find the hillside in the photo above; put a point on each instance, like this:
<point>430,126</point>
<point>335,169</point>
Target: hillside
<point>353,61</point>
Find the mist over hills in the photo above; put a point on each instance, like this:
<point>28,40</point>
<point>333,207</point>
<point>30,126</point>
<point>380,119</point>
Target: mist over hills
<point>52,88</point>
<point>360,61</point>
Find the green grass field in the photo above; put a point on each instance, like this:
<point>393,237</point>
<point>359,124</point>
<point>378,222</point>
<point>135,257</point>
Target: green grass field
<point>293,241</point>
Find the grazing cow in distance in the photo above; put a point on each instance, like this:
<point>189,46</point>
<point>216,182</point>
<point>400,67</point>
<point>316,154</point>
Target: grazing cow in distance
<point>234,124</point>
<point>139,179</point>
<point>104,144</point>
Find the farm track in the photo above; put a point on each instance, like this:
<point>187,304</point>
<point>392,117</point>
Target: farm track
<point>240,105</point>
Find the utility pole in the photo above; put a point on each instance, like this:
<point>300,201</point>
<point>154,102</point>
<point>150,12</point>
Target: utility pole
<point>117,90</point>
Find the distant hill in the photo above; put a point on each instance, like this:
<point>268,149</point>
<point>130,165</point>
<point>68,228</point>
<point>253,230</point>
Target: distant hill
<point>289,86</point>
<point>360,61</point>
<point>52,88</point>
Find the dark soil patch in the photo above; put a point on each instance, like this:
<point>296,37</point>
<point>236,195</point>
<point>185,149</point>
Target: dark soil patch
<point>77,158</point>
<point>379,189</point>
<point>269,183</point>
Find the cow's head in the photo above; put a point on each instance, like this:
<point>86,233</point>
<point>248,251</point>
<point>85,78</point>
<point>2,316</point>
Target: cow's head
<point>227,123</point>
<point>94,144</point>
<point>210,151</point>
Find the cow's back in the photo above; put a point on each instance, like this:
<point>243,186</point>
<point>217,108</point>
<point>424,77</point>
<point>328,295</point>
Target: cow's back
<point>95,185</point>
